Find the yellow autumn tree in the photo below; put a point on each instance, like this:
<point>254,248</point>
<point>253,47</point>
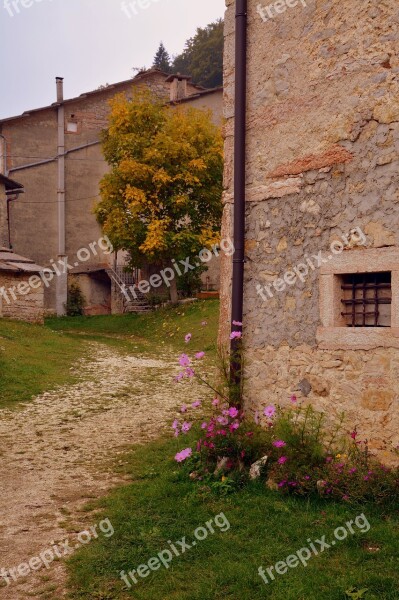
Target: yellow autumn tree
<point>161,199</point>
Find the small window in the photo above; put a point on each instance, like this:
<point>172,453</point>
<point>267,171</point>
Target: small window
<point>366,299</point>
<point>72,127</point>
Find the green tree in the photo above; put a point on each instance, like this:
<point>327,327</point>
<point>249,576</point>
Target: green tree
<point>162,59</point>
<point>202,57</point>
<point>162,197</point>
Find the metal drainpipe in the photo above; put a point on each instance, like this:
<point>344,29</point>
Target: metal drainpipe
<point>61,280</point>
<point>239,187</point>
<point>4,154</point>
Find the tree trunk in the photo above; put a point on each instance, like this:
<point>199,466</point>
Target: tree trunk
<point>174,297</point>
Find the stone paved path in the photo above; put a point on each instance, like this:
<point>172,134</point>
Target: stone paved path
<point>57,453</point>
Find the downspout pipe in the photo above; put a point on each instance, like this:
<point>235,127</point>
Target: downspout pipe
<point>4,155</point>
<point>241,21</point>
<point>62,279</point>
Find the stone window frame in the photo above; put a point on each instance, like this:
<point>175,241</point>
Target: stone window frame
<point>332,334</point>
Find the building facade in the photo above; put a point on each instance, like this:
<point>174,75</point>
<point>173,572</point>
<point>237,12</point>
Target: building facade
<point>321,295</point>
<point>56,153</point>
<point>21,286</point>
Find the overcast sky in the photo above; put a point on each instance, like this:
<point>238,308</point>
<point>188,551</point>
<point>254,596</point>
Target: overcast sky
<point>88,42</point>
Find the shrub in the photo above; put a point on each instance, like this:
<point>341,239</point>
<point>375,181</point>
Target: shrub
<point>76,300</point>
<point>305,456</point>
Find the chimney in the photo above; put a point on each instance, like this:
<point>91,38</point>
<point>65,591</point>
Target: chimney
<point>60,89</point>
<point>178,87</point>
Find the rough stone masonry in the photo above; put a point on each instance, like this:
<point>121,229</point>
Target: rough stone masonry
<point>322,160</point>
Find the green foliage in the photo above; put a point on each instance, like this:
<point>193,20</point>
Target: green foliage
<point>190,283</point>
<point>76,300</point>
<point>202,57</point>
<point>162,59</point>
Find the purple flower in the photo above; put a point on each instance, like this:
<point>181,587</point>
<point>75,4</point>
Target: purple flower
<point>179,377</point>
<point>223,420</point>
<point>186,427</point>
<point>190,372</point>
<point>175,424</point>
<point>183,455</point>
<point>237,323</point>
<point>282,460</point>
<point>196,404</point>
<point>294,399</point>
<point>215,402</point>
<point>188,337</point>
<point>183,408</point>
<point>233,412</point>
<point>234,426</point>
<point>236,335</point>
<point>269,411</point>
<point>184,360</point>
<point>279,444</point>
<point>282,483</point>
<point>199,355</point>
<point>204,425</point>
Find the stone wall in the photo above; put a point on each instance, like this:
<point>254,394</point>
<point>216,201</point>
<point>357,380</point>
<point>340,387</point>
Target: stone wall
<point>25,307</point>
<point>323,160</point>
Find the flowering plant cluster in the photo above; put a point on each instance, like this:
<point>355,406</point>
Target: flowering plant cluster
<point>297,452</point>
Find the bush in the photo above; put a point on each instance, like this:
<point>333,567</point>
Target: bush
<point>305,457</point>
<point>76,300</point>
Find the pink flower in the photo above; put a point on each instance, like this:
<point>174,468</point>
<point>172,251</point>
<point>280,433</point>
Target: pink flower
<point>249,434</point>
<point>183,455</point>
<point>237,324</point>
<point>215,402</point>
<point>183,408</point>
<point>186,427</point>
<point>307,477</point>
<point>188,337</point>
<point>190,372</point>
<point>279,444</point>
<point>179,377</point>
<point>234,426</point>
<point>199,355</point>
<point>269,411</point>
<point>236,335</point>
<point>282,483</point>
<point>351,471</point>
<point>175,424</point>
<point>204,323</point>
<point>184,360</point>
<point>233,412</point>
<point>294,399</point>
<point>354,434</point>
<point>196,404</point>
<point>204,425</point>
<point>282,460</point>
<point>223,420</point>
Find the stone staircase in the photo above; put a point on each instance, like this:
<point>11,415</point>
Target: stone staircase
<point>131,299</point>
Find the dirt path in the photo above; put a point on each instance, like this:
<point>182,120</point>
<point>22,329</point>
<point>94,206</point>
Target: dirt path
<point>55,455</point>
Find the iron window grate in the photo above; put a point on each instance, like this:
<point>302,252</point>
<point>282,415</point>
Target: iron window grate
<point>367,299</point>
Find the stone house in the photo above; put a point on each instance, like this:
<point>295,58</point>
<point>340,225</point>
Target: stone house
<point>321,284</point>
<point>21,288</point>
<point>55,151</point>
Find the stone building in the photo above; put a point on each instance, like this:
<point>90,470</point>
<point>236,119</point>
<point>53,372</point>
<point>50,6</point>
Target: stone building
<point>55,151</point>
<point>21,288</point>
<point>321,291</point>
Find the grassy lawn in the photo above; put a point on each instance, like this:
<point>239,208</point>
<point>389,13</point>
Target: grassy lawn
<point>151,332</point>
<point>265,528</point>
<point>33,359</point>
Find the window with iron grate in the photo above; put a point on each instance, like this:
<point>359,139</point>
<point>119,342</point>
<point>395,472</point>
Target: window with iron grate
<point>367,299</point>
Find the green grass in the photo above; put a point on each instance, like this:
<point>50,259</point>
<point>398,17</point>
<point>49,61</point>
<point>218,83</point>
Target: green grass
<point>153,332</point>
<point>33,359</point>
<point>160,505</point>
